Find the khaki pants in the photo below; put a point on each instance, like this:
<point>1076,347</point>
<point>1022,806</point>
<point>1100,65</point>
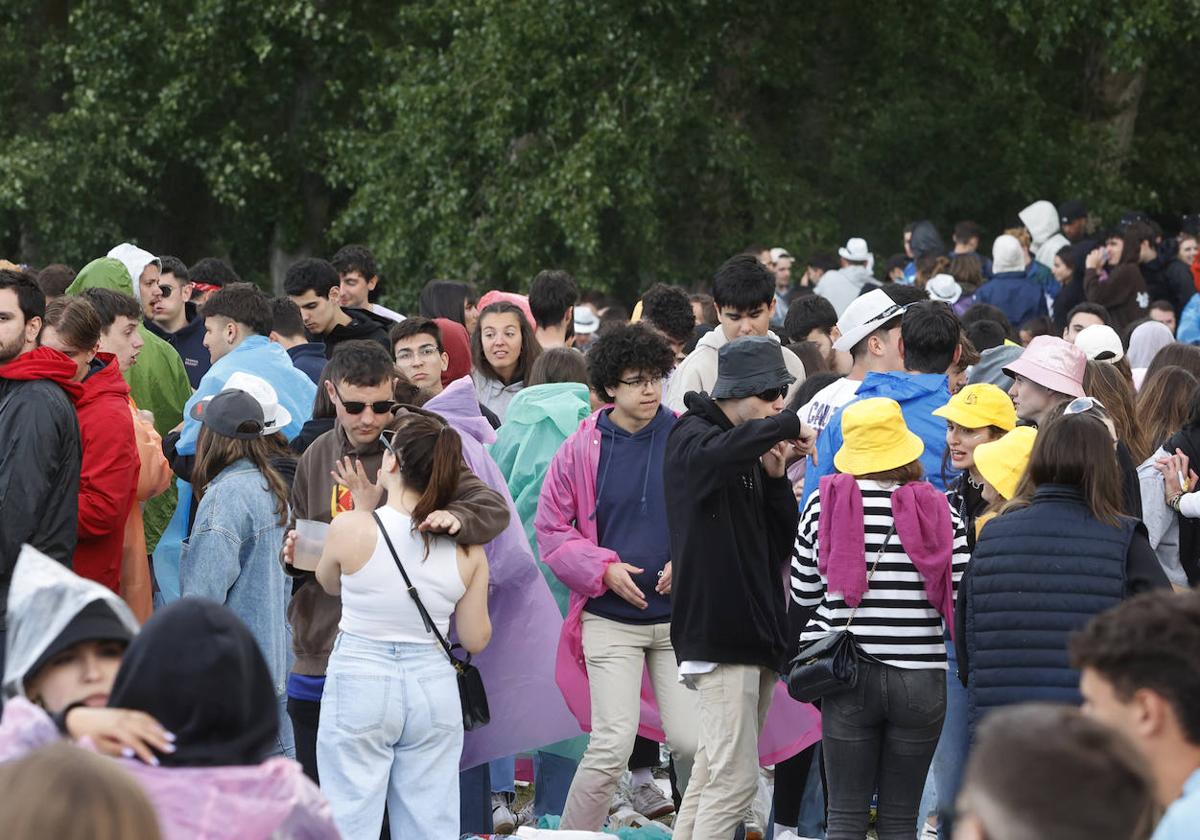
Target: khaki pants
<point>734,700</point>
<point>616,655</point>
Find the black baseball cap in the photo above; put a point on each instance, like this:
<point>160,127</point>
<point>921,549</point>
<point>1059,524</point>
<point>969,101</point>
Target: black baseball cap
<point>1072,210</point>
<point>232,413</point>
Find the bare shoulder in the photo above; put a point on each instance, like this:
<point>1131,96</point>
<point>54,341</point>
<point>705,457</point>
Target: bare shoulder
<point>351,521</point>
<point>471,558</point>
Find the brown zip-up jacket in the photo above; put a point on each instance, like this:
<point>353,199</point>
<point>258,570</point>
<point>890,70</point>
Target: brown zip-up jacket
<point>313,614</point>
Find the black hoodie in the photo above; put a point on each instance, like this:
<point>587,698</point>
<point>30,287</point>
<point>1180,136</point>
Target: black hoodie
<point>731,529</point>
<point>363,325</point>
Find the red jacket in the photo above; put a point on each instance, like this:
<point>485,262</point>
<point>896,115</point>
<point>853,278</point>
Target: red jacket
<point>109,477</point>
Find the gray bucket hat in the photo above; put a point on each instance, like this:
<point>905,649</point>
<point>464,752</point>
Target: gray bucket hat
<point>750,365</point>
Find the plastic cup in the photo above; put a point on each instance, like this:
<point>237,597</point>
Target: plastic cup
<point>310,542</point>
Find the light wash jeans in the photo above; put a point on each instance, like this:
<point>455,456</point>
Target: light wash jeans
<point>391,730</point>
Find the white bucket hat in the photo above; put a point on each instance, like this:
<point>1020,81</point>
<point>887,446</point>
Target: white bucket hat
<point>865,314</point>
<point>945,288</point>
<point>856,251</point>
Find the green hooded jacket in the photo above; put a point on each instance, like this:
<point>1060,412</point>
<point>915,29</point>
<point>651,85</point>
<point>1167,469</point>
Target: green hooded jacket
<point>157,381</point>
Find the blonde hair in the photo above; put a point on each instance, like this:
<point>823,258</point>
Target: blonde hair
<point>67,793</point>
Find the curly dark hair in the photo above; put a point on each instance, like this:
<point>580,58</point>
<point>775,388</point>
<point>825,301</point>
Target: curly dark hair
<point>624,347</point>
<point>669,309</point>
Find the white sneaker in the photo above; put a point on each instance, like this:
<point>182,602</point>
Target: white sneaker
<point>503,820</point>
<point>754,829</point>
<point>648,800</point>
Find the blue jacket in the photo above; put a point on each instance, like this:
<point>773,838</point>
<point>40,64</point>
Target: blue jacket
<point>309,357</point>
<point>1019,297</point>
<point>1037,575</point>
<point>296,392</point>
<point>189,344</point>
<point>232,557</point>
<point>918,394</point>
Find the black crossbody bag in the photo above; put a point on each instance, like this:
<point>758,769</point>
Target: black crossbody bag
<point>830,664</point>
<point>471,692</point>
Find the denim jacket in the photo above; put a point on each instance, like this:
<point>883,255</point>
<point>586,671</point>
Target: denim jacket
<point>232,557</point>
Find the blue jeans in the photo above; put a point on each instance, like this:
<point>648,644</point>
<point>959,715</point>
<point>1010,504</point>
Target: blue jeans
<point>285,742</point>
<point>391,730</point>
<point>950,759</point>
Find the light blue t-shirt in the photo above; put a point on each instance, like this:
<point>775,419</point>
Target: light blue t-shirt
<point>1182,818</point>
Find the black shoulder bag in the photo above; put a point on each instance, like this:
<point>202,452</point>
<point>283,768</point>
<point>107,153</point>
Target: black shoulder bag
<point>830,664</point>
<point>470,682</point>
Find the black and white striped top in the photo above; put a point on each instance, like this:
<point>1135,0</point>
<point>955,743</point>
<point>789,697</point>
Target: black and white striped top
<point>895,622</point>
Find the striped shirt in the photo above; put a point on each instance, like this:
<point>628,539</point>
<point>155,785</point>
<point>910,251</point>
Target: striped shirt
<point>895,623</point>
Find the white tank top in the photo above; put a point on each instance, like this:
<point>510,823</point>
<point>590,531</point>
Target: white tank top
<point>375,602</point>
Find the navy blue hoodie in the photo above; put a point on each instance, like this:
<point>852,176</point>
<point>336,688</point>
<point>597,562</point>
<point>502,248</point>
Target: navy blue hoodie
<point>631,513</point>
<point>310,358</point>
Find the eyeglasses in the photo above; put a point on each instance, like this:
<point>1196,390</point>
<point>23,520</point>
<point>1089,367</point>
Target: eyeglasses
<point>356,407</point>
<point>773,394</point>
<point>642,381</point>
<point>425,352</point>
<point>1081,404</point>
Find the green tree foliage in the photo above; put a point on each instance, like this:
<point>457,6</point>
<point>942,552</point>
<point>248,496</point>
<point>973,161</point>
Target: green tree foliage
<point>628,142</point>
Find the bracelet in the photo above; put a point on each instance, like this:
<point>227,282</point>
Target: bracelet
<point>1173,502</point>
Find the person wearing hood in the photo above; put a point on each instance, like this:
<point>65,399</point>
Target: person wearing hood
<point>171,315</point>
<point>39,475</point>
<point>605,538</point>
<point>111,465</point>
<point>525,625</point>
<point>312,284</point>
<point>731,519</point>
<point>230,554</point>
<point>219,779</point>
<point>159,382</point>
<point>744,293</point>
<point>1041,220</point>
<point>929,343</point>
<point>237,321</point>
<point>844,285</point>
<point>1010,287</point>
<point>68,636</point>
<point>360,383</point>
<point>922,241</point>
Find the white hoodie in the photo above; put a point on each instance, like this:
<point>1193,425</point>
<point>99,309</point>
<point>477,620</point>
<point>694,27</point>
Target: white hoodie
<point>698,372</point>
<point>135,260</point>
<point>1041,220</point>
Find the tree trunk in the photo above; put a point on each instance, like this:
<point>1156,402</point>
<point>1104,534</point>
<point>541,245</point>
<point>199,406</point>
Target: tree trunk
<point>1119,95</point>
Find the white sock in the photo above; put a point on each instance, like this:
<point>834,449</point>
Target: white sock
<point>642,776</point>
<point>781,829</point>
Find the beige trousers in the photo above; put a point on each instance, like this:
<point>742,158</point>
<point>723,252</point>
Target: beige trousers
<point>734,700</point>
<point>616,655</point>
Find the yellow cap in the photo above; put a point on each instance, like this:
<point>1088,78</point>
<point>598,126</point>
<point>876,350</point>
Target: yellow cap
<point>980,405</point>
<point>1002,462</point>
<point>875,438</point>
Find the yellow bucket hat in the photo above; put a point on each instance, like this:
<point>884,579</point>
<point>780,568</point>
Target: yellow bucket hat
<point>980,405</point>
<point>875,438</point>
<point>1002,462</point>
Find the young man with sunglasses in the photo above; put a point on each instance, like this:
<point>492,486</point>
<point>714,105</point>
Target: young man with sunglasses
<point>338,473</point>
<point>731,520</point>
<point>171,315</point>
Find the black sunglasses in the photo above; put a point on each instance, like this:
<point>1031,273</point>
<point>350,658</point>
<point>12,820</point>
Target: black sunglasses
<point>773,394</point>
<point>165,291</point>
<point>356,407</point>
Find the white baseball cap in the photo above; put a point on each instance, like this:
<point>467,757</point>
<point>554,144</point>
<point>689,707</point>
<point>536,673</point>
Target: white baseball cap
<point>1100,343</point>
<point>865,314</point>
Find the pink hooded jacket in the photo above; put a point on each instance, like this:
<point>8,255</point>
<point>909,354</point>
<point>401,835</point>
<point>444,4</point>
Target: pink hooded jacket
<point>273,800</point>
<point>568,542</point>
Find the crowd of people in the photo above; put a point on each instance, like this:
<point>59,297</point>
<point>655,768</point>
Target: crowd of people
<point>306,567</point>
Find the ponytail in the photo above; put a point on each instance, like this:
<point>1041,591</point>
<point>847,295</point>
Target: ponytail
<point>431,462</point>
<point>443,474</point>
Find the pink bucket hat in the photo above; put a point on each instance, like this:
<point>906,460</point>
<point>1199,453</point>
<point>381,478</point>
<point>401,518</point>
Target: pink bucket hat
<point>1052,363</point>
<point>496,296</point>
